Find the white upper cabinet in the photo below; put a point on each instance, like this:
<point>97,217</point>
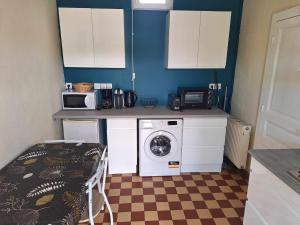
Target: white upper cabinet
<point>198,39</point>
<point>92,37</point>
<point>183,39</point>
<point>77,37</point>
<point>213,41</point>
<point>108,26</point>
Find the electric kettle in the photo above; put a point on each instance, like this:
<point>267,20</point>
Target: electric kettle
<point>130,99</point>
<point>119,102</point>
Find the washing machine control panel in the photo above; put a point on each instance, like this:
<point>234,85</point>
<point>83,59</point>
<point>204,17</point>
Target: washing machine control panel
<point>152,124</point>
<point>172,123</point>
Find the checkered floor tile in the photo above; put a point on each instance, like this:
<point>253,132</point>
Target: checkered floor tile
<point>189,199</point>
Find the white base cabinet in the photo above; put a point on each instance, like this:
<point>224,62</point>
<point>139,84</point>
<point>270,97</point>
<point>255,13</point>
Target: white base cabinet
<point>82,130</point>
<point>122,145</point>
<point>270,201</point>
<point>203,144</point>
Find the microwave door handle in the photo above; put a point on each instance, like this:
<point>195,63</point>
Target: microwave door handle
<point>87,102</point>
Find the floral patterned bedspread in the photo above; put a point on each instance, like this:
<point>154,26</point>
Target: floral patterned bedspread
<point>46,184</point>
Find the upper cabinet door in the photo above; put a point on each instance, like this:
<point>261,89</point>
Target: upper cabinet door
<point>77,37</point>
<point>109,40</point>
<point>213,41</point>
<point>183,39</point>
<point>198,39</point>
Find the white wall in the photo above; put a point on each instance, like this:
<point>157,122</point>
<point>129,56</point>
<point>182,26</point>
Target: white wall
<point>31,75</point>
<point>255,29</point>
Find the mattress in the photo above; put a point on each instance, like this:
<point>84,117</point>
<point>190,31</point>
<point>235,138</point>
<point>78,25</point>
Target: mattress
<point>46,184</point>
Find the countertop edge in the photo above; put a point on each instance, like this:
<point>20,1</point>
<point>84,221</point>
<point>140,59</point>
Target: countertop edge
<point>140,113</point>
<point>138,117</point>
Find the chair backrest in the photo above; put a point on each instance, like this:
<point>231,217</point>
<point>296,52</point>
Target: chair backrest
<point>100,173</point>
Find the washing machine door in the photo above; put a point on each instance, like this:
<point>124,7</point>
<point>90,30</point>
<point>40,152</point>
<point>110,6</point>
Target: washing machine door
<point>161,146</point>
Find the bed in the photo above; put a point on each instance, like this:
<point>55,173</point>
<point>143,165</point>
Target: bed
<point>50,184</point>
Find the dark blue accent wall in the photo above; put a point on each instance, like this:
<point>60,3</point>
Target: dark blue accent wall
<point>152,78</point>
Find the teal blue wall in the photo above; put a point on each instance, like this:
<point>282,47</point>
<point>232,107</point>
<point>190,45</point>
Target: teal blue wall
<point>153,80</point>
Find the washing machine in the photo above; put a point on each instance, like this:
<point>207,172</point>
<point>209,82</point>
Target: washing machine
<point>160,144</point>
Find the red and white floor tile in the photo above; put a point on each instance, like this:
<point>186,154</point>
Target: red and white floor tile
<point>189,199</point>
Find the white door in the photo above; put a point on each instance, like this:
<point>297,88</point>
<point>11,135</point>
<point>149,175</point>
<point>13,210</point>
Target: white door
<point>183,39</point>
<point>278,123</point>
<point>77,37</point>
<point>109,39</point>
<point>213,40</point>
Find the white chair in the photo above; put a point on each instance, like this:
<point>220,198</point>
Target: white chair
<point>100,175</point>
<point>91,183</point>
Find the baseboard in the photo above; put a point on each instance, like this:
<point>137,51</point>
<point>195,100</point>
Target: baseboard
<point>201,168</point>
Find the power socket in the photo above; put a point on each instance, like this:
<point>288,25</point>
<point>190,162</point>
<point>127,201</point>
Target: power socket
<point>109,86</point>
<point>97,86</point>
<point>69,86</point>
<point>213,86</point>
<point>102,86</point>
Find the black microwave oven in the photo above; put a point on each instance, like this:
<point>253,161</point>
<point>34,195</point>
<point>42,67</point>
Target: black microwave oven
<point>195,98</point>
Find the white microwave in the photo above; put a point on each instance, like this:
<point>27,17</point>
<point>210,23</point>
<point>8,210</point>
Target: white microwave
<point>79,101</point>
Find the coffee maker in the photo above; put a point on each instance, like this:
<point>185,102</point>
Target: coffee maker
<point>107,98</point>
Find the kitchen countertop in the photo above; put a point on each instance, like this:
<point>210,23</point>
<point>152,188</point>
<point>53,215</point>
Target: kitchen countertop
<point>139,113</point>
<point>279,162</point>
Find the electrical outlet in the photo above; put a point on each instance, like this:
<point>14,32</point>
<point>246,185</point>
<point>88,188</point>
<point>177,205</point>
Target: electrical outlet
<point>102,86</point>
<point>97,86</point>
<point>214,87</point>
<point>109,86</point>
<point>211,86</point>
<point>69,86</point>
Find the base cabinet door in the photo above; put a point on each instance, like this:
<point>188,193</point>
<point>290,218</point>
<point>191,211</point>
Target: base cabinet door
<point>122,145</point>
<point>270,200</point>
<point>203,144</point>
<point>252,217</point>
<point>82,130</point>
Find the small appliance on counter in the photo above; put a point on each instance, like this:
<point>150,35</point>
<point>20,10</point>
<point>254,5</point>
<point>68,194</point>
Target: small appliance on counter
<point>72,100</point>
<point>174,102</point>
<point>119,101</point>
<point>195,98</point>
<point>107,98</point>
<point>149,102</point>
<point>130,99</point>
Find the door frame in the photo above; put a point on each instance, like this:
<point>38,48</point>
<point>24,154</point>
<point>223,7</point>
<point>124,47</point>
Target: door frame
<point>267,80</point>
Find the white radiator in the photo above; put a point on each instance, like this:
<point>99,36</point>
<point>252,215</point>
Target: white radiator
<point>237,142</point>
